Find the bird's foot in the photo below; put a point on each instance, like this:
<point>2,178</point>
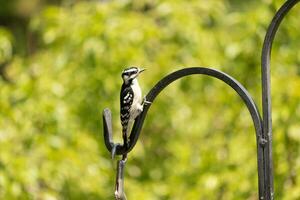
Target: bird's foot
<point>145,102</point>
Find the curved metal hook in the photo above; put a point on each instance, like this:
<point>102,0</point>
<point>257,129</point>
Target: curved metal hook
<point>120,149</point>
<point>186,72</point>
<point>234,84</point>
<point>266,89</point>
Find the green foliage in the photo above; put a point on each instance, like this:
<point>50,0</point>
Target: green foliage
<point>5,45</point>
<point>198,141</point>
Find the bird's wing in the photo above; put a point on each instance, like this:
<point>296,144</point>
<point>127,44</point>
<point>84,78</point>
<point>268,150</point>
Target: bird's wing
<point>126,99</point>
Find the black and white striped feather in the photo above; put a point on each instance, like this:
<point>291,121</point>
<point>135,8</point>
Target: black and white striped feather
<point>126,100</point>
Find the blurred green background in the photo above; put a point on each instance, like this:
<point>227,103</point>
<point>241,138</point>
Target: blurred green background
<point>60,65</point>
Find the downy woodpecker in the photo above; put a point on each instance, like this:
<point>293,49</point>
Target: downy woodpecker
<point>131,101</point>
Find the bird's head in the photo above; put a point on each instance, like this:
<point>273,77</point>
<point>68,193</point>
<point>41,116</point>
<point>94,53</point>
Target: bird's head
<point>131,73</point>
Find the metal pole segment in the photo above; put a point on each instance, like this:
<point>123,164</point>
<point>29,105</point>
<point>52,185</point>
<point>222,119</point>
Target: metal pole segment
<point>234,84</point>
<point>266,91</point>
<point>119,190</point>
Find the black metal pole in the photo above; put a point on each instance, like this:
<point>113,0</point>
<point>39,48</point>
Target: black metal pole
<point>266,91</point>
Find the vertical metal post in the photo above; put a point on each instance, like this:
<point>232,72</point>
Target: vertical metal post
<point>266,92</point>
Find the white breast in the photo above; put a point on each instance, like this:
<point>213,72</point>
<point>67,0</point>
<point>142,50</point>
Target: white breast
<point>137,98</point>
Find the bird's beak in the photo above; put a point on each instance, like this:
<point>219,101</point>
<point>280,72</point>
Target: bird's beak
<point>141,70</point>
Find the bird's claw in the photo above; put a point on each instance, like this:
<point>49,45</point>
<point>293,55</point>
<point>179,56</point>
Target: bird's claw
<point>145,102</point>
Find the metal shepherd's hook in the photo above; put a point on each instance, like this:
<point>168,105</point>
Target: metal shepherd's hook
<point>263,126</point>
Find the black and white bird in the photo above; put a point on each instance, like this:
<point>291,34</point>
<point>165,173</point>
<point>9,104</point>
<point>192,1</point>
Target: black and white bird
<point>131,100</point>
